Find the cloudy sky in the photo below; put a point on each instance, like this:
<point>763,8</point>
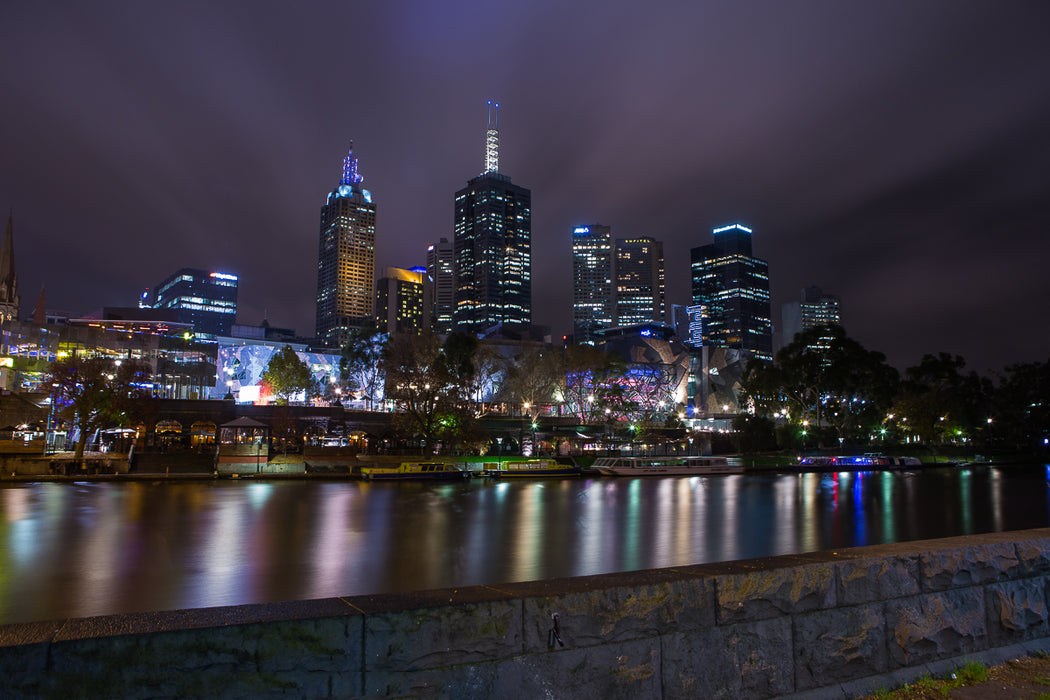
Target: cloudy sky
<point>894,153</point>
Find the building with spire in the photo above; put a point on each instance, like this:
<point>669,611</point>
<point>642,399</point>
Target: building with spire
<point>732,286</point>
<point>9,299</point>
<point>492,247</point>
<point>346,258</point>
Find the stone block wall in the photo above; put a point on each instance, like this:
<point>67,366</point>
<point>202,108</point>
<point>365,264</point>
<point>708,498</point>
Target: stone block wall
<point>826,624</point>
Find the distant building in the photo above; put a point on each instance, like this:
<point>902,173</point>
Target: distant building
<point>492,247</point>
<point>346,258</point>
<point>639,282</point>
<point>207,300</point>
<point>813,309</point>
<point>592,282</point>
<point>402,300</point>
<point>9,299</point>
<point>441,277</point>
<point>733,287</point>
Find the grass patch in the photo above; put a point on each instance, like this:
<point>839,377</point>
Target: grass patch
<point>973,672</point>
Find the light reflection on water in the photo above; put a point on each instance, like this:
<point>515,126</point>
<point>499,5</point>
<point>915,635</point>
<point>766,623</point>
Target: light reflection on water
<point>69,550</point>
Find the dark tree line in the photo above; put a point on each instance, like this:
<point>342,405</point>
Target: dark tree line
<point>824,389</point>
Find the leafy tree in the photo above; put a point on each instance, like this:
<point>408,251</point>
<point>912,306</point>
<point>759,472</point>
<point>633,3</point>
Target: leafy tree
<point>459,351</point>
<point>824,378</point>
<point>287,375</point>
<point>753,433</point>
<point>1022,406</point>
<point>489,371</point>
<point>532,378</point>
<point>939,402</point>
<point>95,393</point>
<point>360,364</point>
<point>417,381</point>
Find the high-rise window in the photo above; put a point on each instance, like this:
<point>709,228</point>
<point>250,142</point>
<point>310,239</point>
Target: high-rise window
<point>592,288</point>
<point>733,287</point>
<point>346,258</point>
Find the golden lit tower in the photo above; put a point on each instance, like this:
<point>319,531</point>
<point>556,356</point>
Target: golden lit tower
<point>346,260</point>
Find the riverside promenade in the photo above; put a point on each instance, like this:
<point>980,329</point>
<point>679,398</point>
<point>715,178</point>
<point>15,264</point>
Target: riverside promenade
<point>831,624</point>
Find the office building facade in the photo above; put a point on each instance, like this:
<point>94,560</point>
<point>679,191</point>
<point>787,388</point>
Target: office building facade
<point>441,279</point>
<point>592,282</point>
<point>208,300</point>
<point>346,258</point>
<point>732,286</point>
<point>402,300</point>
<point>639,282</point>
<point>492,247</point>
<point>814,308</point>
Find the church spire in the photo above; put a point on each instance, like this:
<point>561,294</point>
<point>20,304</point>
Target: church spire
<point>492,139</point>
<point>8,279</point>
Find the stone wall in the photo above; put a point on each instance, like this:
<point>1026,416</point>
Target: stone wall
<point>827,624</point>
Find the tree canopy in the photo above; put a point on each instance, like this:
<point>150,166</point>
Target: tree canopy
<point>287,375</point>
<point>96,393</point>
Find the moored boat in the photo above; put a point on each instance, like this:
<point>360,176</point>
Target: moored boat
<point>665,466</point>
<point>528,468</point>
<point>419,471</point>
<point>868,459</point>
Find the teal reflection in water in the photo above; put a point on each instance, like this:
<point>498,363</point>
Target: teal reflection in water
<point>70,550</point>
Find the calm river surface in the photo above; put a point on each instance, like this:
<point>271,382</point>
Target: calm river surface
<point>80,549</point>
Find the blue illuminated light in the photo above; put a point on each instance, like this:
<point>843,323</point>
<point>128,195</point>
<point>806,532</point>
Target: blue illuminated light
<point>350,175</point>
<point>730,227</point>
<point>222,276</point>
<point>581,229</point>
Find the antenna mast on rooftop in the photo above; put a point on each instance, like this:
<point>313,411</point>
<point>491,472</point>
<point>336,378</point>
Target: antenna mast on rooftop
<point>492,140</point>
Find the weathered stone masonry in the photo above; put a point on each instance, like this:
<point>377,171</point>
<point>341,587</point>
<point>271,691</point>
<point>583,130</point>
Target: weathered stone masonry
<point>827,624</point>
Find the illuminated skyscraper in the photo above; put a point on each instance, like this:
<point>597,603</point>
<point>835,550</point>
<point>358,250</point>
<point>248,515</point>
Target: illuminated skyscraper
<point>732,286</point>
<point>402,300</point>
<point>492,247</point>
<point>592,289</point>
<point>442,280</point>
<point>814,309</point>
<point>346,260</point>
<point>206,299</point>
<point>639,289</point>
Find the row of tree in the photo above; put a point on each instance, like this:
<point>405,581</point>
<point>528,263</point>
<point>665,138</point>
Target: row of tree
<point>824,389</point>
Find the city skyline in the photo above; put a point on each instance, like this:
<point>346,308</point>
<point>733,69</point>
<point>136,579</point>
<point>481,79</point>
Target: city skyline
<point>893,155</point>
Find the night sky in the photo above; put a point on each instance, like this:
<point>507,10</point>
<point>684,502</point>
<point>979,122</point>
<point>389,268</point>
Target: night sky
<point>894,153</point>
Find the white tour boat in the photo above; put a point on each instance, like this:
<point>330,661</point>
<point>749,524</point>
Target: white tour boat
<point>664,466</point>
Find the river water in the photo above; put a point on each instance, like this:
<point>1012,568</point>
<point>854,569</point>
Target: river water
<point>88,548</point>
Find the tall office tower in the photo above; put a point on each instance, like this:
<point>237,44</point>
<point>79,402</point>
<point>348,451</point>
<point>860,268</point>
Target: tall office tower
<point>639,288</point>
<point>492,247</point>
<point>206,299</point>
<point>9,299</point>
<point>402,301</point>
<point>346,260</point>
<point>592,289</point>
<point>814,309</point>
<point>733,287</point>
<point>442,280</point>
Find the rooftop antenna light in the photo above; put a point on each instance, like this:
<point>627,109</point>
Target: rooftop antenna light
<point>492,139</point>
